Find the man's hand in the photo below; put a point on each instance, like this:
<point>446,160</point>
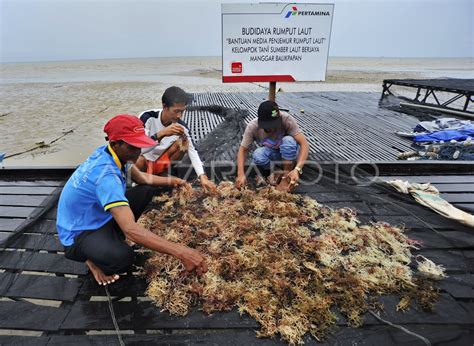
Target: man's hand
<point>293,177</point>
<point>207,184</point>
<point>240,181</point>
<point>175,181</point>
<point>170,130</point>
<point>193,260</point>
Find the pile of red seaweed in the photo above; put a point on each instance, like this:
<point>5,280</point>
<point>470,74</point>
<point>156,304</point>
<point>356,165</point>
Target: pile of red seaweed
<point>282,258</point>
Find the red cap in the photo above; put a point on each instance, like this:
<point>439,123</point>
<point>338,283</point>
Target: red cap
<point>129,129</point>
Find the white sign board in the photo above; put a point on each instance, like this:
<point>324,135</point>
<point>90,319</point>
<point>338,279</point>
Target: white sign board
<point>275,42</point>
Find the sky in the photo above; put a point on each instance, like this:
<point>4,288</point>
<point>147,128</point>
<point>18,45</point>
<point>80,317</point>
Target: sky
<point>51,30</point>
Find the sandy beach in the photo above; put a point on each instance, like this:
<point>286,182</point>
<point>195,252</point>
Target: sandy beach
<point>58,109</point>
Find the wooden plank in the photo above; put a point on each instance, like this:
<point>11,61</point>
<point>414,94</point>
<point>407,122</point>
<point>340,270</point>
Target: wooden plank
<point>43,226</point>
<point>387,335</point>
<point>16,212</point>
<point>397,208</point>
<point>468,207</point>
<point>28,316</point>
<point>26,190</point>
<point>24,340</point>
<point>4,235</point>
<point>15,285</point>
<point>459,188</point>
<point>37,242</point>
<point>348,122</point>
<point>444,179</point>
<point>413,222</point>
<point>191,337</point>
<point>95,315</point>
<point>331,133</point>
<point>54,183</point>
<point>460,286</point>
<point>42,262</point>
<point>452,260</point>
<point>366,335</point>
<point>319,188</point>
<point>51,214</point>
<point>8,225</point>
<point>469,307</point>
<point>458,197</point>
<point>435,239</point>
<point>126,286</point>
<point>447,311</point>
<point>21,200</point>
<point>393,207</point>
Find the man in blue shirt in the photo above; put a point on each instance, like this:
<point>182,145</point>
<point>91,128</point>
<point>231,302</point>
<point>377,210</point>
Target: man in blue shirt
<point>96,213</point>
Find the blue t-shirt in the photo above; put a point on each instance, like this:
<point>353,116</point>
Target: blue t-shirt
<point>97,185</point>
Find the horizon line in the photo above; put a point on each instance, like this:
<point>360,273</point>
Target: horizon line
<point>218,56</point>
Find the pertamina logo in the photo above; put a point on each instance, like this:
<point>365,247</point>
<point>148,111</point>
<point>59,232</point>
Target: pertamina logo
<point>294,12</point>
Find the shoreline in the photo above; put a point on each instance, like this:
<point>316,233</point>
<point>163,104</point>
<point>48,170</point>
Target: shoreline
<point>42,101</point>
<point>157,69</point>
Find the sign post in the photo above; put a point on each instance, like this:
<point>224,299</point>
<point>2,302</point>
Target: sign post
<point>272,91</point>
<point>275,42</point>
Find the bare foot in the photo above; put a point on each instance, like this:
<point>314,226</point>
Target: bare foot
<point>99,275</point>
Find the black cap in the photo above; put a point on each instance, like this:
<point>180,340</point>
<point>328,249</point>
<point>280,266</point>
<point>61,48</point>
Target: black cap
<point>269,115</point>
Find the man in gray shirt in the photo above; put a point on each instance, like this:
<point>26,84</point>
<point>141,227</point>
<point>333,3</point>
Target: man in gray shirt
<point>280,140</point>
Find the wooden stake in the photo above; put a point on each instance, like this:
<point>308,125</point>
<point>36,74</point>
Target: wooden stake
<point>272,91</point>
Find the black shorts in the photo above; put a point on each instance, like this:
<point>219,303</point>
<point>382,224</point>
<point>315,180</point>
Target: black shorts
<point>106,246</point>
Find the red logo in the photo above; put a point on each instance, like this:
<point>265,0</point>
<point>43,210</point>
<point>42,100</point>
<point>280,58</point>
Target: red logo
<point>139,129</point>
<point>236,67</point>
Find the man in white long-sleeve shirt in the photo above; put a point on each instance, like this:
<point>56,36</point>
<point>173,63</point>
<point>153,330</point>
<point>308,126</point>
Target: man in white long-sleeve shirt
<point>165,126</point>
